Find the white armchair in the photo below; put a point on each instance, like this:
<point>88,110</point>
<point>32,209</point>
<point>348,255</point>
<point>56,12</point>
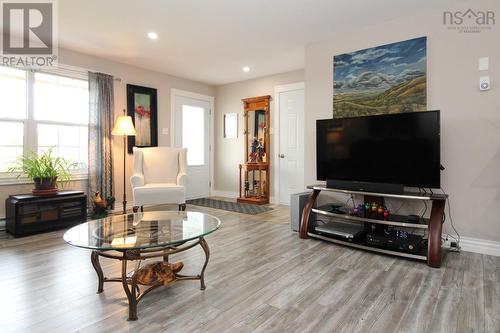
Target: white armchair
<point>159,176</point>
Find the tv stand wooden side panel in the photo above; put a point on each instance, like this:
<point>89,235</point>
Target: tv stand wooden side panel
<point>434,250</point>
<point>306,213</point>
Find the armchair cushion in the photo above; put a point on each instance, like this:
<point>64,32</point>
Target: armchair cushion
<point>160,165</point>
<point>159,193</point>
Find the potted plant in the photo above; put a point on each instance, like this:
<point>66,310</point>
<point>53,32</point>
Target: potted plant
<point>45,170</point>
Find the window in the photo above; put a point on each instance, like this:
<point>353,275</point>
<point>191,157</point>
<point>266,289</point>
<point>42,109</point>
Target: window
<point>11,142</point>
<point>42,111</point>
<point>193,134</point>
<point>13,87</point>
<point>61,99</point>
<point>61,113</point>
<point>69,141</point>
<point>12,115</point>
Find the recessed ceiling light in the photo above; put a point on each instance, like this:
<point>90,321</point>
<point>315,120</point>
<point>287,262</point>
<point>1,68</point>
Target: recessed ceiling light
<point>152,35</point>
<point>246,69</point>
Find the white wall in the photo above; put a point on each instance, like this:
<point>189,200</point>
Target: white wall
<point>230,152</point>
<point>470,119</point>
<point>128,74</point>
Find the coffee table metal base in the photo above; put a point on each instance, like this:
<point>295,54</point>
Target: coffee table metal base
<point>129,281</point>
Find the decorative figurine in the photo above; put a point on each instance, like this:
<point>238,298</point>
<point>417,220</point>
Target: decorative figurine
<point>253,153</point>
<point>101,205</point>
<point>257,151</point>
<point>260,151</point>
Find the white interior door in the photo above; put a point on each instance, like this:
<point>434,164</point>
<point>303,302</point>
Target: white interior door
<point>291,142</point>
<point>192,131</point>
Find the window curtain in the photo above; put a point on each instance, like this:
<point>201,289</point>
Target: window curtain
<point>101,105</point>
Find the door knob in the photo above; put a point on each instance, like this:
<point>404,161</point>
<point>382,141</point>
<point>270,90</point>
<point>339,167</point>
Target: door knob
<point>282,155</point>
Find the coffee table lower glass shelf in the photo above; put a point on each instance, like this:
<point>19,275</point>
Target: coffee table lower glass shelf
<point>141,236</point>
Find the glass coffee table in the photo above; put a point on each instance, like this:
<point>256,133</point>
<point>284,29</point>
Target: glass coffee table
<point>140,236</point>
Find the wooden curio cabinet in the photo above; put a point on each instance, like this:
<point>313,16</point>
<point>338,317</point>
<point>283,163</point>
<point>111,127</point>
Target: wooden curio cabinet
<point>254,173</point>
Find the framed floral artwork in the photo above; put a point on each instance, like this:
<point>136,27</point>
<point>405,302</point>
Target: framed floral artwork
<point>142,107</point>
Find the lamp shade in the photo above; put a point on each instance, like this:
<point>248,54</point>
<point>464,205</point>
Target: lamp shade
<point>124,126</point>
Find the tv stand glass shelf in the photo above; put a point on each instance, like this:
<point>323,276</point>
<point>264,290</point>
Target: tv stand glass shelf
<point>394,220</point>
<point>362,246</point>
<point>404,195</point>
<point>431,250</point>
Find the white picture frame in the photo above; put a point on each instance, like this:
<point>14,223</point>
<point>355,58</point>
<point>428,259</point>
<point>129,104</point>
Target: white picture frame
<point>230,125</point>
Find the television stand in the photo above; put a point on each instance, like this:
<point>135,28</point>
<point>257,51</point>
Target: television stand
<point>432,254</point>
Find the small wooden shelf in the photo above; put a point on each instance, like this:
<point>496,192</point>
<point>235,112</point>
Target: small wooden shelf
<point>369,248</point>
<point>254,183</point>
<point>365,219</point>
<point>254,173</point>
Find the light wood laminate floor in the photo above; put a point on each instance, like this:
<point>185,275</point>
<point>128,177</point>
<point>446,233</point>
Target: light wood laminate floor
<point>261,278</point>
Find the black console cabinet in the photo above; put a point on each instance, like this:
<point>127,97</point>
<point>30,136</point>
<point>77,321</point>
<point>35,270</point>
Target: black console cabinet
<point>29,214</point>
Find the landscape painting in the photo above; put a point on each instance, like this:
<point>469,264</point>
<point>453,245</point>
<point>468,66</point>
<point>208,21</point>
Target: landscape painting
<point>385,79</point>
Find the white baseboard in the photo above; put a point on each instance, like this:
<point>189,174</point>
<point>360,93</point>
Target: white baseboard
<point>119,207</point>
<point>482,246</point>
<point>225,194</point>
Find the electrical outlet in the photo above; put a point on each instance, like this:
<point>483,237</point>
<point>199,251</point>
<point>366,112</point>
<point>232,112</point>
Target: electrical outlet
<point>450,243</point>
<point>483,63</point>
<point>447,243</point>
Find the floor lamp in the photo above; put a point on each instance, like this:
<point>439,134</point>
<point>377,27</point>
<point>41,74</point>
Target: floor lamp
<point>124,127</point>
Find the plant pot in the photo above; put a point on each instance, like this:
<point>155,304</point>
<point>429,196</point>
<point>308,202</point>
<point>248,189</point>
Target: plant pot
<point>43,184</point>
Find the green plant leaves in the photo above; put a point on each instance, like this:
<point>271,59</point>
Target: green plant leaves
<point>43,166</point>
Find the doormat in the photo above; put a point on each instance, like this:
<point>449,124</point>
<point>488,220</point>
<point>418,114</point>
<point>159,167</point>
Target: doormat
<point>230,206</point>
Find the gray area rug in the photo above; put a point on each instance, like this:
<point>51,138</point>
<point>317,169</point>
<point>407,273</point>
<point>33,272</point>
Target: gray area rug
<point>230,206</point>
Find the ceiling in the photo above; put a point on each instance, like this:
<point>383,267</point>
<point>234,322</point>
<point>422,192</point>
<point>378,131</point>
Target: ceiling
<point>211,40</point>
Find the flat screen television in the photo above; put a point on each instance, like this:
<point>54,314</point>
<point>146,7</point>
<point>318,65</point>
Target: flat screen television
<point>401,149</point>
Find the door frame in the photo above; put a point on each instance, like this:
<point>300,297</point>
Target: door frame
<point>276,120</point>
<point>211,112</point>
